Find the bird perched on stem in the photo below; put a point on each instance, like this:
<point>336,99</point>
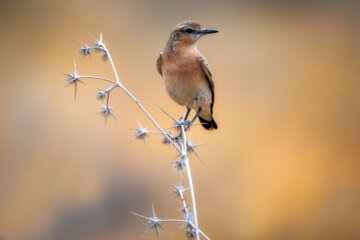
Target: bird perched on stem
<point>186,73</point>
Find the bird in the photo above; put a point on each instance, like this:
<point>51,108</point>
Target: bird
<point>186,73</point>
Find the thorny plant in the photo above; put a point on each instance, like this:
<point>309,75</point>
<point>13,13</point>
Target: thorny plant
<point>180,142</point>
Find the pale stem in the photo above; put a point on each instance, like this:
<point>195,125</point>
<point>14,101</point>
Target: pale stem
<point>182,151</point>
<point>94,77</point>
<point>111,88</point>
<point>184,204</point>
<point>187,165</point>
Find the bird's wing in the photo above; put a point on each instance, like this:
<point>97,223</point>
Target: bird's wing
<point>205,67</point>
<point>158,64</point>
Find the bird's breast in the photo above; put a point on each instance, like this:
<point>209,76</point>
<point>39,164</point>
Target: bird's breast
<point>179,65</point>
<point>184,79</point>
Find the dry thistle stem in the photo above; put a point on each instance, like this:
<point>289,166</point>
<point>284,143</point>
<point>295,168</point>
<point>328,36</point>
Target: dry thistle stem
<point>180,142</point>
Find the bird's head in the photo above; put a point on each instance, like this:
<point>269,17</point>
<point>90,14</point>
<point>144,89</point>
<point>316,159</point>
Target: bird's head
<point>188,32</point>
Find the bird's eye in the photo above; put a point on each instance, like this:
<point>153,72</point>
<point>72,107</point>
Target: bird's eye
<point>189,30</point>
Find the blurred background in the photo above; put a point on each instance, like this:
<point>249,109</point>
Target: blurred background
<point>284,163</point>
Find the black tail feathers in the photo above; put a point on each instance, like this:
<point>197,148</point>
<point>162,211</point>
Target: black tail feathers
<point>208,125</point>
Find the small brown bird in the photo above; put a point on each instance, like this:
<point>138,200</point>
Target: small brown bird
<point>186,73</point>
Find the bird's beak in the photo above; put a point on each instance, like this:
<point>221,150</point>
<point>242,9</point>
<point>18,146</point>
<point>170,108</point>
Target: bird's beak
<point>207,31</point>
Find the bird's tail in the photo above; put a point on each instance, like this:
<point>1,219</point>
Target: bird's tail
<point>208,125</point>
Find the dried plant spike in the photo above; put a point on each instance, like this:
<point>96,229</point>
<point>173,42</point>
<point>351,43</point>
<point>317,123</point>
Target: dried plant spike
<point>104,56</point>
<point>98,43</point>
<point>179,164</point>
<point>141,133</point>
<point>100,94</point>
<point>177,125</point>
<point>185,209</point>
<point>190,233</point>
<point>106,111</point>
<point>72,78</point>
<point>187,222</point>
<point>85,50</point>
<point>153,222</point>
<point>179,190</point>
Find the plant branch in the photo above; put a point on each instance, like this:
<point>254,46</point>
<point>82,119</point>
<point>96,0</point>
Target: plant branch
<point>192,192</point>
<point>179,142</point>
<point>100,78</point>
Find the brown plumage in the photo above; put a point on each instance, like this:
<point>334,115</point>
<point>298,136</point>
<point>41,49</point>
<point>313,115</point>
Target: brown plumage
<point>186,73</point>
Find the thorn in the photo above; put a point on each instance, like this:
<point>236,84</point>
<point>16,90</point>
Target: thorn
<point>75,71</point>
<point>75,91</point>
<point>174,119</point>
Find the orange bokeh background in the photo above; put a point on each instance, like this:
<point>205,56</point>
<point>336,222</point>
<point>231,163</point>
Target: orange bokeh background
<point>284,163</point>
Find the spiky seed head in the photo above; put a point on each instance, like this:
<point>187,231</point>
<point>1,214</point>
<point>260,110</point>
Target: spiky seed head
<point>104,56</point>
<point>154,223</point>
<point>106,111</point>
<point>177,125</point>
<point>141,133</point>
<point>190,147</point>
<point>188,221</point>
<point>71,78</point>
<point>178,190</point>
<point>179,164</point>
<point>178,139</point>
<point>190,233</point>
<point>85,50</point>
<point>100,95</point>
<point>184,209</point>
